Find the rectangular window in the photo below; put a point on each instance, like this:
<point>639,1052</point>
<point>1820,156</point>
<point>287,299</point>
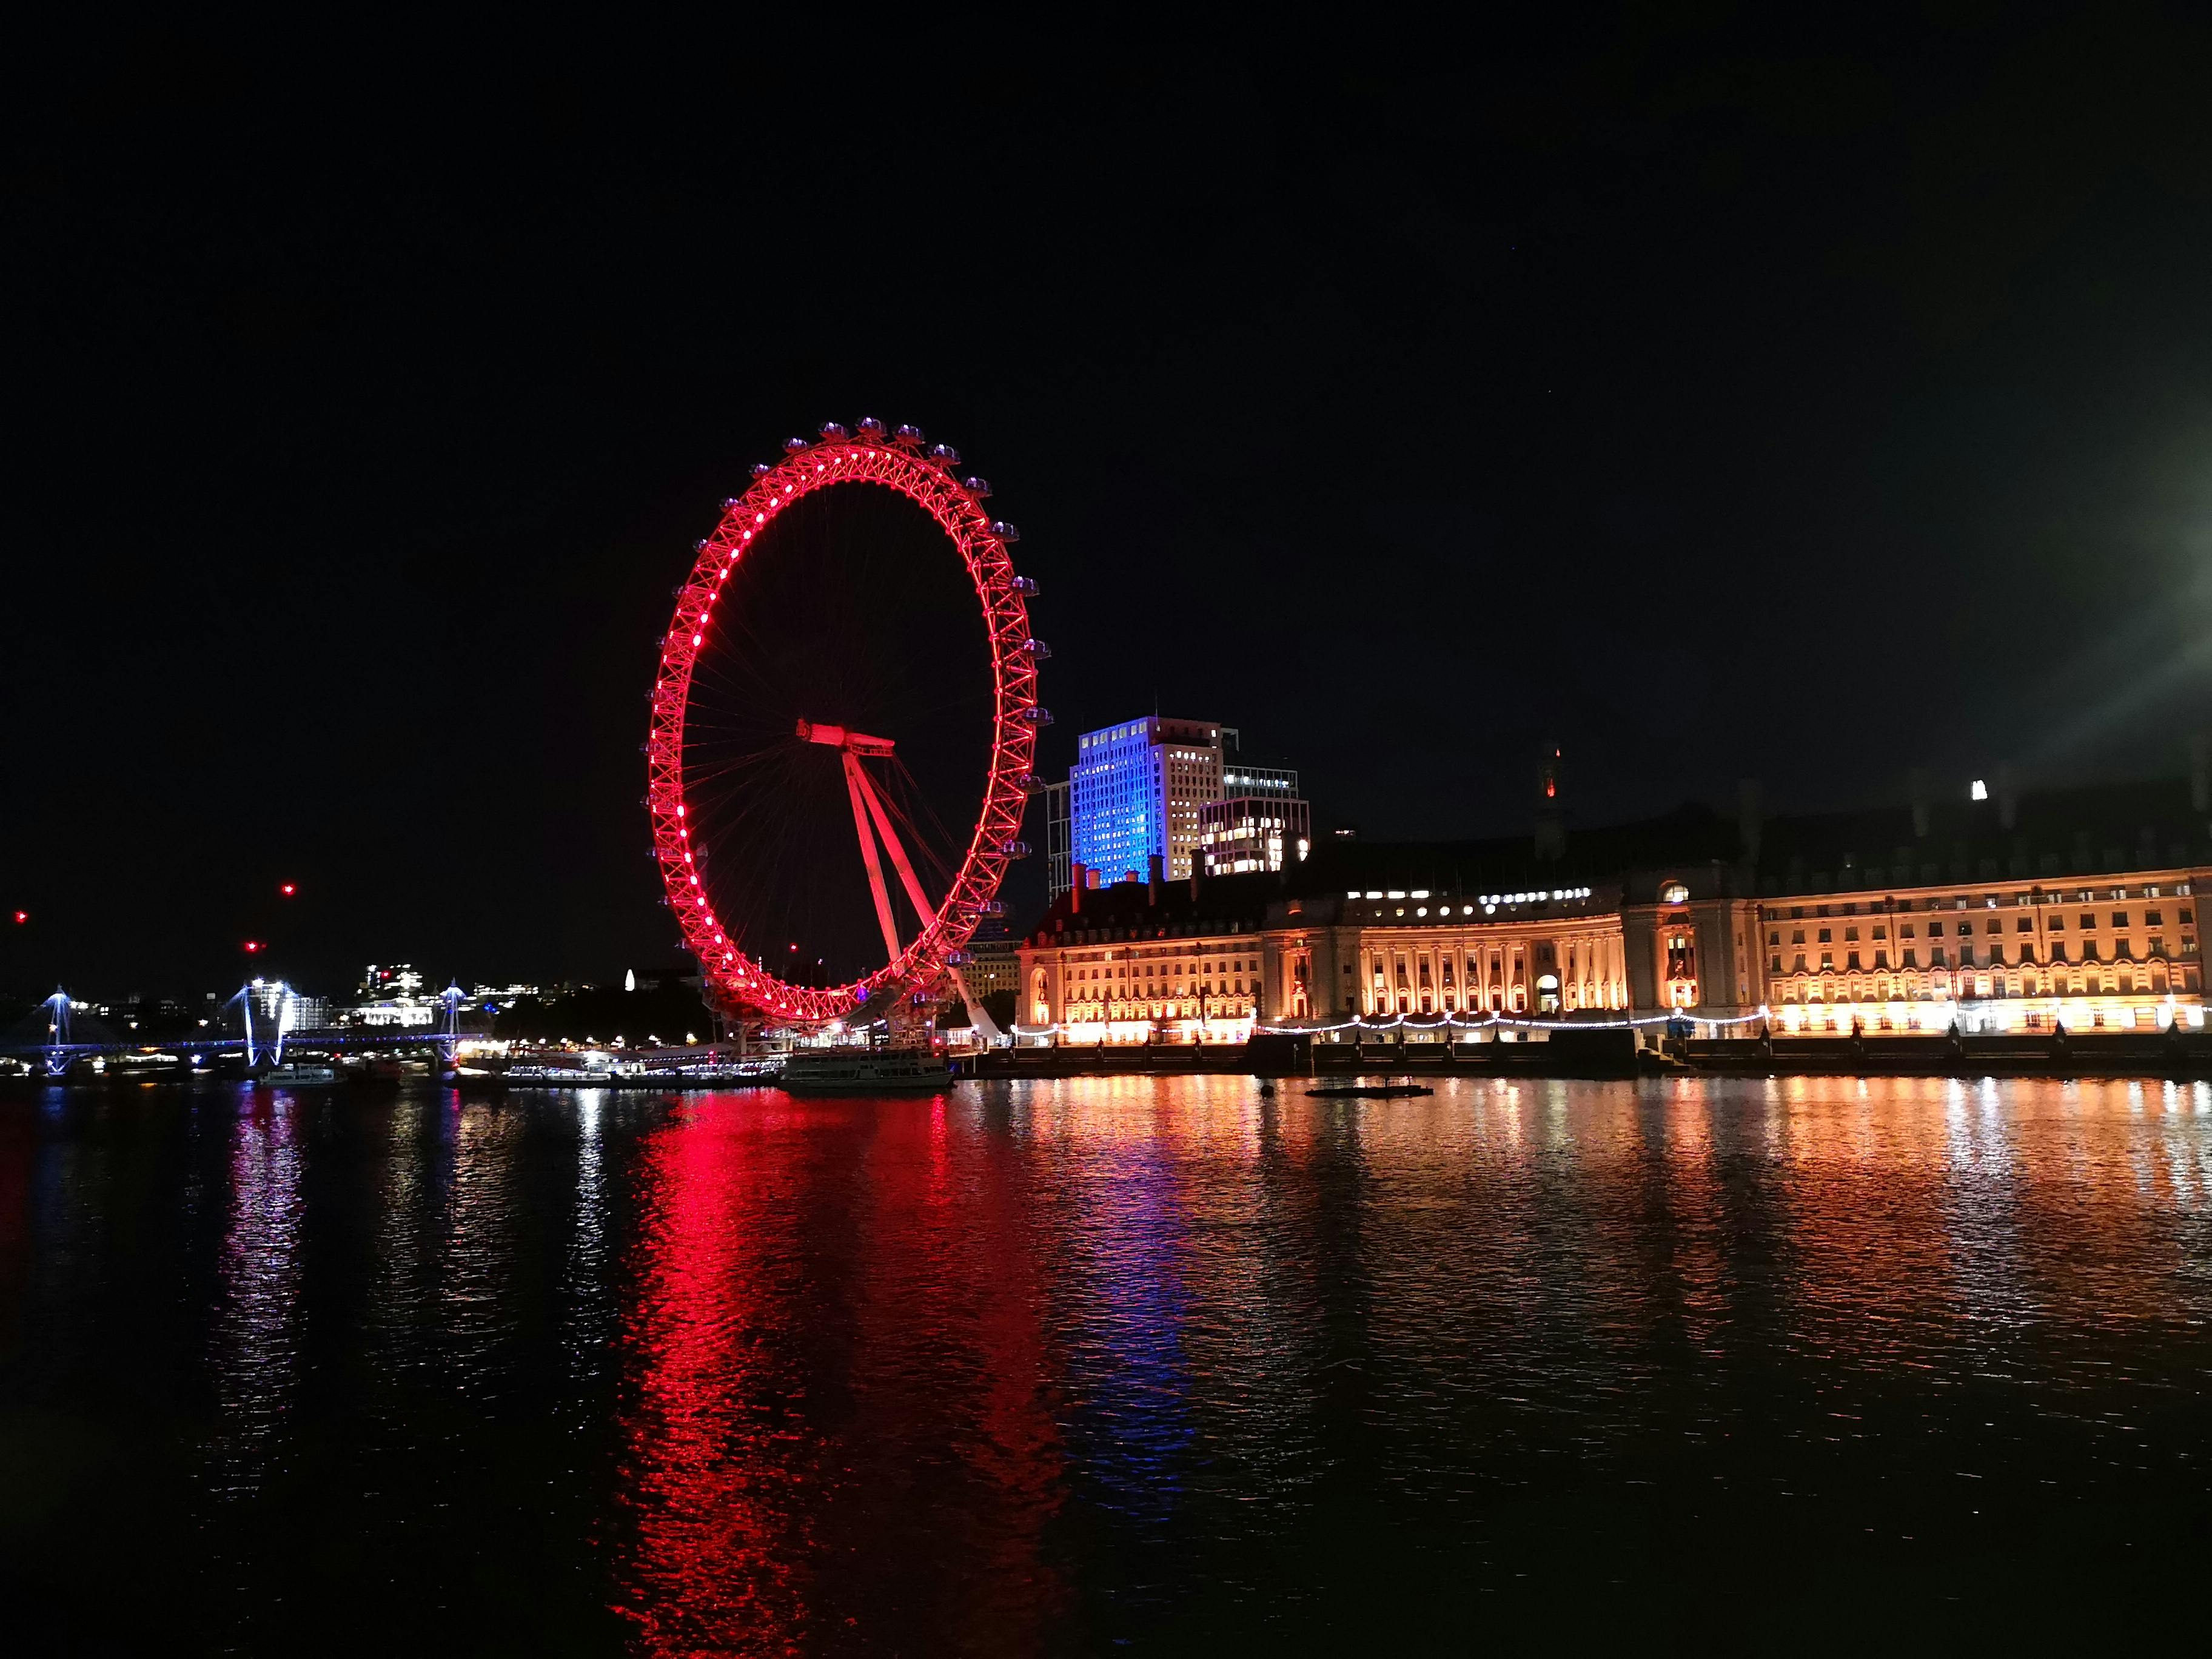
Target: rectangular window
<point>1881,958</point>
<point>2025,925</point>
<point>1778,966</point>
<point>1797,936</point>
<point>1800,963</point>
<point>1880,931</point>
<point>2120,949</point>
<point>1909,961</point>
<point>1827,960</point>
<point>2119,918</point>
<point>2056,923</point>
<point>1852,962</point>
<point>2154,918</point>
<point>1850,935</point>
<point>1965,955</point>
<point>1827,935</point>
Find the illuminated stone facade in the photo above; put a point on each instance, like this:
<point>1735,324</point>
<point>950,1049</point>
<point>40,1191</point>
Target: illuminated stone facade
<point>2118,950</point>
<point>2009,912</point>
<point>1677,940</point>
<point>1143,961</point>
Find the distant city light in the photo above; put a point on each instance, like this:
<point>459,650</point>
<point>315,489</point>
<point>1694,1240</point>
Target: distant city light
<point>1980,791</point>
<point>252,946</point>
<point>21,916</point>
<point>288,890</point>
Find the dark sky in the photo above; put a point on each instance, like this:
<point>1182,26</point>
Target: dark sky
<point>1720,392</point>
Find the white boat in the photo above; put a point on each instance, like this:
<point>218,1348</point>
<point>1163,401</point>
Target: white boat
<point>865,1072</point>
<point>730,1074</point>
<point>288,1076</point>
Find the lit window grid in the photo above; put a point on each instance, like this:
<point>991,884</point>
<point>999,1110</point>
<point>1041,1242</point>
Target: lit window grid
<point>1136,793</point>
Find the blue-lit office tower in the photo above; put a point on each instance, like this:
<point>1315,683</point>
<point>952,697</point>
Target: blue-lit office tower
<point>1136,790</point>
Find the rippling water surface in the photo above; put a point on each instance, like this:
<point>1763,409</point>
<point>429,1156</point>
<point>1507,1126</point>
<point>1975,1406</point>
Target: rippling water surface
<point>1071,1366</point>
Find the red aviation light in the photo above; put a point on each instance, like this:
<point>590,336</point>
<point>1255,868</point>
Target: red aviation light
<point>252,946</point>
<point>21,916</point>
<point>289,888</point>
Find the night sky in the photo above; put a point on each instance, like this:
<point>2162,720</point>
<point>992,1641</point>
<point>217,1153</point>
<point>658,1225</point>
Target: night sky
<point>1741,396</point>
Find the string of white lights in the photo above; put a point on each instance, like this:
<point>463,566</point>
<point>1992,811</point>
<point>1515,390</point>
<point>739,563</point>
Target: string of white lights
<point>1448,1022</point>
<point>1516,1023</point>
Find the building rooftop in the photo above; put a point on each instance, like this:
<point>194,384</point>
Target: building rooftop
<point>1221,904</point>
<point>2026,835</point>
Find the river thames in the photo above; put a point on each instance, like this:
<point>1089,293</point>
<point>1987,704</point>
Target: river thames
<point>1150,1365</point>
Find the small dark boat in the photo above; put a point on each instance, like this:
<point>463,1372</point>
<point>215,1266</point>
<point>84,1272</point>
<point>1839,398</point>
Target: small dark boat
<point>1369,1090</point>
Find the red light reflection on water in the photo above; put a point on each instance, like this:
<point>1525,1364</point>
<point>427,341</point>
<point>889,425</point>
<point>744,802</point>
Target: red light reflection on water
<point>798,1344</point>
<point>716,1439</point>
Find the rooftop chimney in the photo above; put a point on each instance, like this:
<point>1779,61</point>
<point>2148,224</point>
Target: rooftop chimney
<point>1081,877</point>
<point>1750,817</point>
<point>1551,821</point>
<point>1152,878</point>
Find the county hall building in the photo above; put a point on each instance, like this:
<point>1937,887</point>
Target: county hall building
<point>1996,910</point>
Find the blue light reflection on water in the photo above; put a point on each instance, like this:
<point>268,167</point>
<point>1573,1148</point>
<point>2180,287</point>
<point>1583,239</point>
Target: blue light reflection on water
<point>1127,1377</point>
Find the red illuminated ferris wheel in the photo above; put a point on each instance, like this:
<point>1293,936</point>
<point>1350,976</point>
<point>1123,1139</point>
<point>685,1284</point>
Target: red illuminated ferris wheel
<point>850,661</point>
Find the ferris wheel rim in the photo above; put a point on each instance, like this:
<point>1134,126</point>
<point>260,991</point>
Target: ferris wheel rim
<point>927,478</point>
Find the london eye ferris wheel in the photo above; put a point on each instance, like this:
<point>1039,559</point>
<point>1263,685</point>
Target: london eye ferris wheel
<point>844,727</point>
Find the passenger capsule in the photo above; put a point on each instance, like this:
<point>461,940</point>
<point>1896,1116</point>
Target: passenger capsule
<point>761,469</point>
<point>979,488</point>
<point>792,446</point>
<point>1004,531</point>
<point>871,430</point>
<point>1026,585</point>
<point>1037,648</point>
<point>946,453</point>
<point>833,432</point>
<point>909,435</point>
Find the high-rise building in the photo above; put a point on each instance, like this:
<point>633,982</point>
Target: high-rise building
<point>1261,822</point>
<point>1059,842</point>
<point>1136,792</point>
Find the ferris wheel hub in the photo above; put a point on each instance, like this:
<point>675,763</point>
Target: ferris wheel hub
<point>838,736</point>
